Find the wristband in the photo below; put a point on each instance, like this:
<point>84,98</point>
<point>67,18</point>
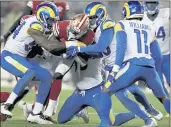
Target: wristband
<point>115,68</point>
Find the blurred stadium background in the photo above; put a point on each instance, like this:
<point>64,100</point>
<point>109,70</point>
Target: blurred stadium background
<point>11,10</point>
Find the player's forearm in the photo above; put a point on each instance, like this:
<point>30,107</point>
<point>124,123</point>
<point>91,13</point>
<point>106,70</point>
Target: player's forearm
<point>95,55</point>
<point>121,44</point>
<point>156,52</point>
<point>42,41</point>
<point>156,55</point>
<point>104,41</point>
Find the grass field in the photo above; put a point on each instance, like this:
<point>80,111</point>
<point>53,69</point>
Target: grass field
<point>19,121</point>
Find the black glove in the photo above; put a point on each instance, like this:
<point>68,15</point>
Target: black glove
<point>36,50</point>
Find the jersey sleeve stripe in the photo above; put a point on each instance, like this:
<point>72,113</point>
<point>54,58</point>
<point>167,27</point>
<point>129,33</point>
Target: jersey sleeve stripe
<point>56,29</point>
<point>122,25</point>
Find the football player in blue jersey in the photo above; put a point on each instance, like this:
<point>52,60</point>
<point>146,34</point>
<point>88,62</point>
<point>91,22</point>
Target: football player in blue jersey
<point>13,60</point>
<point>135,43</point>
<point>104,31</point>
<point>104,37</point>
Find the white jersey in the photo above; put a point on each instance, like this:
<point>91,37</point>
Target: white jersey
<point>139,37</point>
<point>20,42</point>
<point>92,75</point>
<point>161,24</point>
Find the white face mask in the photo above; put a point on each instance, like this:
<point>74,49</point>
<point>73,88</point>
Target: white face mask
<point>71,36</point>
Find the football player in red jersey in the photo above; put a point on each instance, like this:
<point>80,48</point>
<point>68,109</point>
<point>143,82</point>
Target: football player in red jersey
<point>77,30</point>
<point>30,9</point>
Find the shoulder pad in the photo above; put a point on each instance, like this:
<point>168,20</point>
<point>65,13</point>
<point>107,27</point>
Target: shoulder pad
<point>107,24</point>
<point>37,26</point>
<point>119,27</point>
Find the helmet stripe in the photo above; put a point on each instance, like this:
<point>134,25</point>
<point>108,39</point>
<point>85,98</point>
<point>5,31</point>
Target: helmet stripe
<point>126,6</point>
<point>82,22</point>
<point>93,9</point>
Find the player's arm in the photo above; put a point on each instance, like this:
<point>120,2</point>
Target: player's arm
<point>36,31</point>
<point>158,58</point>
<point>156,54</point>
<point>27,11</point>
<point>121,44</point>
<point>104,40</point>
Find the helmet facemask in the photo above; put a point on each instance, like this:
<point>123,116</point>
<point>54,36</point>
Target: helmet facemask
<point>78,26</point>
<point>74,33</point>
<point>152,7</point>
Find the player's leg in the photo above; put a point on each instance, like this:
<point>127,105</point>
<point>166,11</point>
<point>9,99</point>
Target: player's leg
<point>71,107</point>
<point>141,98</point>
<point>126,77</point>
<point>19,67</point>
<point>53,98</point>
<point>166,68</point>
<point>93,97</point>
<point>61,70</point>
<point>45,77</point>
<point>132,106</point>
<point>156,86</point>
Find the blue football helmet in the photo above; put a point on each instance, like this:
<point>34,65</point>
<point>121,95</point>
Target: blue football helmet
<point>97,13</point>
<point>133,9</point>
<point>152,7</point>
<point>47,13</point>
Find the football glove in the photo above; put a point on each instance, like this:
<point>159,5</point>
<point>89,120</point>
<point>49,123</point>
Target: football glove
<point>72,51</point>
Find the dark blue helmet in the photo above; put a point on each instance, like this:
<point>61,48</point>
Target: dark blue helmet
<point>152,7</point>
<point>96,12</point>
<point>133,9</point>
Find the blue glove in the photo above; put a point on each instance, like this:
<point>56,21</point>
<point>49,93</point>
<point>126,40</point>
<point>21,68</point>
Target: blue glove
<point>111,77</point>
<point>72,51</point>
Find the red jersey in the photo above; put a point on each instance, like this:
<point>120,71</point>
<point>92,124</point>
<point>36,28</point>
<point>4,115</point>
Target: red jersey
<point>60,31</point>
<point>62,6</point>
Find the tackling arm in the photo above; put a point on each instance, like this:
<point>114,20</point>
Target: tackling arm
<point>41,40</point>
<point>104,41</point>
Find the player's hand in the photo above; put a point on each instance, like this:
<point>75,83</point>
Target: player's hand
<point>72,51</point>
<point>111,77</point>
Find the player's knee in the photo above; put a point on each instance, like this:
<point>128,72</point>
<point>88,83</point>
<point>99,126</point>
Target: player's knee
<point>31,73</point>
<point>61,118</point>
<point>57,76</point>
<point>46,76</point>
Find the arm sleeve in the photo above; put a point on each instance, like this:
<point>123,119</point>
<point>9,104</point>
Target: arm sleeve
<point>158,58</point>
<point>104,41</point>
<point>156,55</point>
<point>121,44</point>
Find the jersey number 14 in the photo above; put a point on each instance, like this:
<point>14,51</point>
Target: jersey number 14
<point>139,40</point>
